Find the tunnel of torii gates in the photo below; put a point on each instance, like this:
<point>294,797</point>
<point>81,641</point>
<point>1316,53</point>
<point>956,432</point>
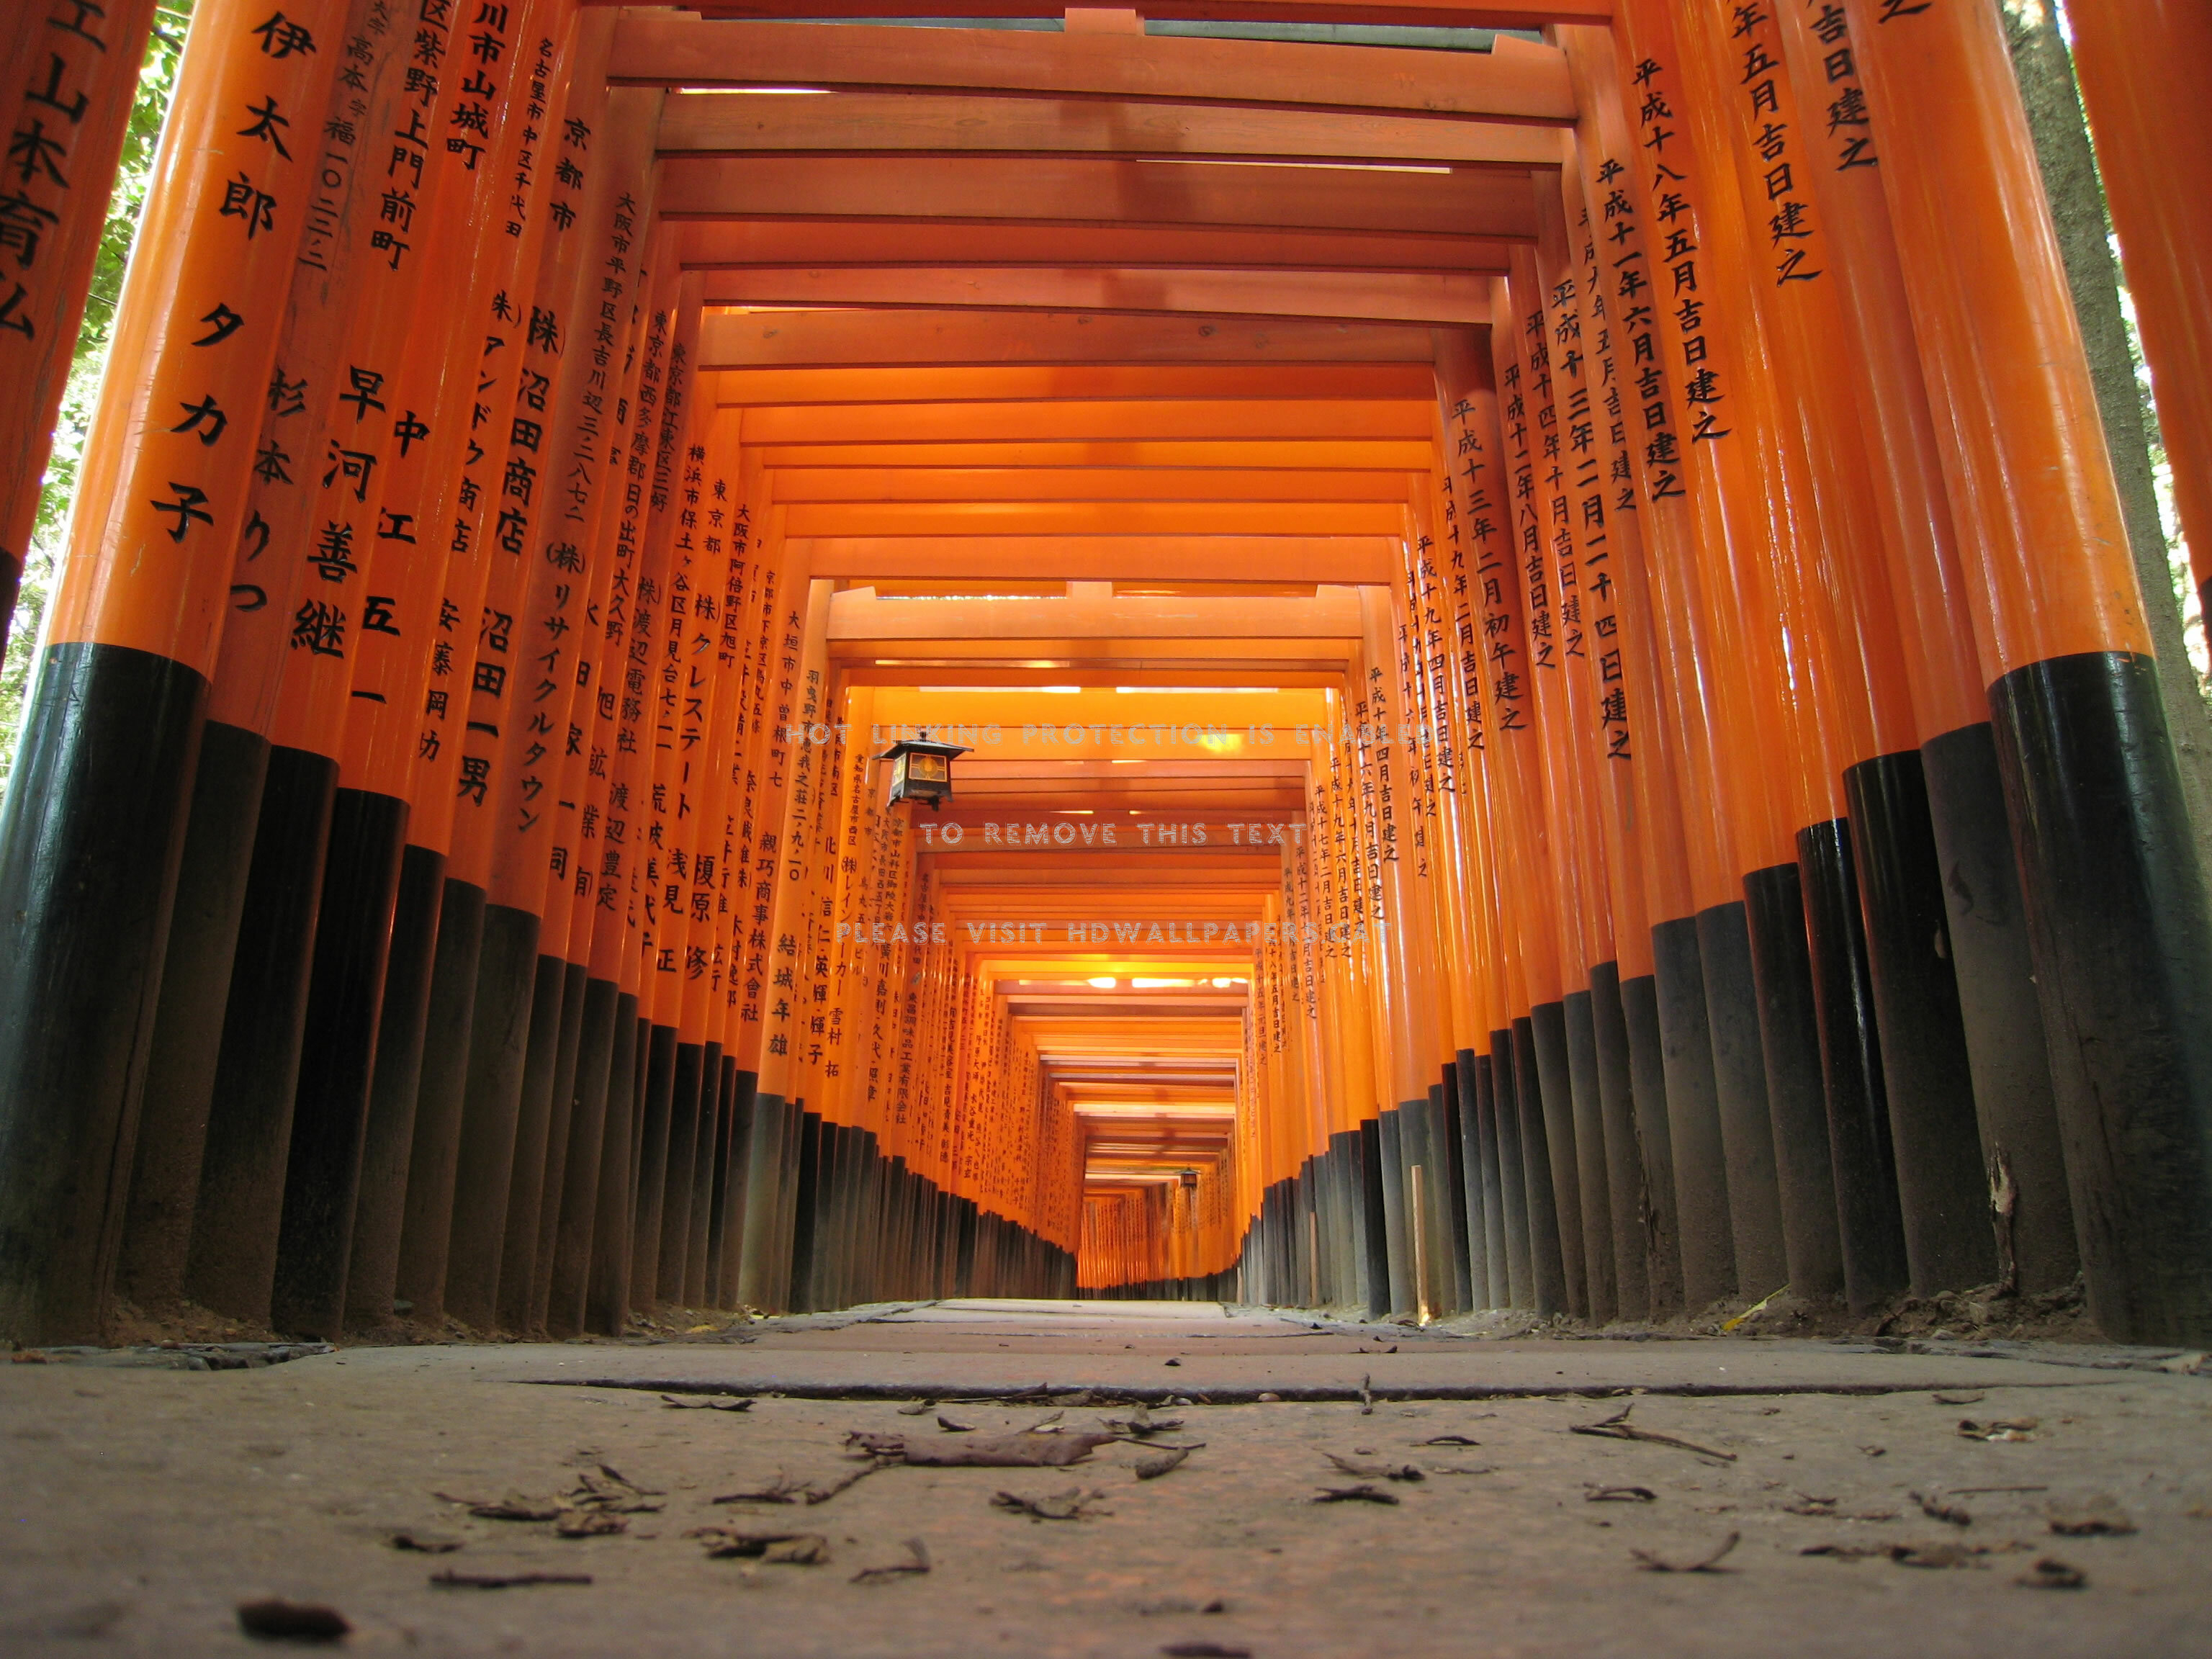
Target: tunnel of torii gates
<point>1560,716</point>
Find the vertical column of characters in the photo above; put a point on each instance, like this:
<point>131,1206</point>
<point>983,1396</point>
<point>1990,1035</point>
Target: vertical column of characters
<point>801,670</point>
<point>68,108</point>
<point>1700,377</point>
<point>90,836</point>
<point>690,571</point>
<point>434,392</point>
<point>1549,353</point>
<point>613,527</point>
<point>1503,418</point>
<point>576,357</point>
<point>218,241</point>
<point>2114,898</point>
<point>499,417</point>
<point>1690,862</point>
<point>774,645</point>
<point>338,522</point>
<point>1404,948</point>
<point>1595,480</point>
<point>1421,636</point>
<point>548,200</point>
<point>747,602</point>
<point>1469,523</point>
<point>1443,611</point>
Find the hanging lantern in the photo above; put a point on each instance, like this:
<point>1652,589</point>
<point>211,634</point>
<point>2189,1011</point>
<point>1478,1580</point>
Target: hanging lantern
<point>922,769</point>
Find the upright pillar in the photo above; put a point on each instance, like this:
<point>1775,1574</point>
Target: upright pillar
<point>92,830</point>
<point>73,75</point>
<point>2116,901</point>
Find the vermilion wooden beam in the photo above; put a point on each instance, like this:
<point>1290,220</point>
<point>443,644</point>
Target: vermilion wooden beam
<point>1140,381</point>
<point>1097,518</point>
<point>863,123</point>
<point>806,484</point>
<point>670,50</point>
<point>819,244</point>
<point>1422,299</point>
<point>1484,201</point>
<point>855,617</point>
<point>797,339</point>
<point>1105,558</point>
<point>1353,454</point>
<point>1401,13</point>
<point>1217,418</point>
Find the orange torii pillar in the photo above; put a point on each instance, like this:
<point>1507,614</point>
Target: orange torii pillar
<point>2116,901</point>
<point>591,264</point>
<point>92,830</point>
<point>75,72</point>
<point>2141,65</point>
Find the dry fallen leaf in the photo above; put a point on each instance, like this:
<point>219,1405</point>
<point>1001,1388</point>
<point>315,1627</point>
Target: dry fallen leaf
<point>1935,1509</point>
<point>2098,1515</point>
<point>2051,1573</point>
<point>589,1523</point>
<point>804,1549</point>
<point>1153,1465</point>
<point>1651,1562</point>
<point>450,1580</point>
<point>1070,1505</point>
<point>1594,1494</point>
<point>292,1621</point>
<point>426,1543</point>
<point>2012,1428</point>
<point>917,1561</point>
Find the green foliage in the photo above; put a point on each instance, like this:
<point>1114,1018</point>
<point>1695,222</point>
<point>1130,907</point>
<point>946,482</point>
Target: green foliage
<point>157,81</point>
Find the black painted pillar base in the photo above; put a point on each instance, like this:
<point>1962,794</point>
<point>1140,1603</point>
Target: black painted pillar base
<point>1513,1178</point>
<point>233,1263</point>
<point>2121,926</point>
<point>1927,1073</point>
<point>210,901</point>
<point>330,1113</point>
<point>1624,1163</point>
<point>90,837</point>
<point>607,1303</point>
<point>1593,1187</point>
<point>1862,1157</point>
<point>372,1263</point>
<point>433,1158</point>
<point>684,1112</point>
<point>1747,1125</point>
<point>533,1115</point>
<point>560,1142</point>
<point>576,1211</point>
<point>499,1041</point>
<point>1658,1207</point>
<point>2015,1102</point>
<point>1532,1059</point>
<point>651,1158</point>
<point>1796,1094</point>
